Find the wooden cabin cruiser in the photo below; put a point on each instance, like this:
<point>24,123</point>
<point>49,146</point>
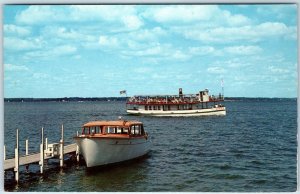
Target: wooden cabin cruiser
<point>200,104</point>
<point>107,142</point>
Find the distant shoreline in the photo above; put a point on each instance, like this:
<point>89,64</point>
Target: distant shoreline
<point>79,99</point>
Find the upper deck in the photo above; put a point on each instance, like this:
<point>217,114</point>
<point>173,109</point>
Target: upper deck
<point>181,98</point>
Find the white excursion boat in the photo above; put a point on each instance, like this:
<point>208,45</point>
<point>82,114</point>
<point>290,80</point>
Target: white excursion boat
<point>200,104</point>
<point>107,142</point>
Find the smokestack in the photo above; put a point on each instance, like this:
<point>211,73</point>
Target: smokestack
<point>180,92</point>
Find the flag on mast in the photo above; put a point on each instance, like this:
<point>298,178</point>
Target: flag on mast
<point>122,92</point>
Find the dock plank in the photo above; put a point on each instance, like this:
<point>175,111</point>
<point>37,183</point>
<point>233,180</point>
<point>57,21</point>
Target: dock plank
<point>34,158</point>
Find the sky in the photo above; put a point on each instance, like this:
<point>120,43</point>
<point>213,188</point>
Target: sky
<point>55,51</point>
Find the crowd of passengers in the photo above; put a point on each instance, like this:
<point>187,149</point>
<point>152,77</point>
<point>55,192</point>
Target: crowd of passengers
<point>175,100</point>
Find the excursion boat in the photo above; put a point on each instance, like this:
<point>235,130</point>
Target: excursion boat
<point>107,142</point>
<point>200,104</point>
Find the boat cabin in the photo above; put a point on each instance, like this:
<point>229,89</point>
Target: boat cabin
<point>117,128</point>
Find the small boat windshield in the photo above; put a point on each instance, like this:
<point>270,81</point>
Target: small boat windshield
<point>92,130</point>
<point>116,130</point>
<point>137,130</point>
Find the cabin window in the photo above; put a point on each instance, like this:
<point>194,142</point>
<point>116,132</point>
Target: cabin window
<point>116,130</point>
<point>154,107</point>
<point>119,130</point>
<point>158,107</point>
<point>150,108</point>
<point>164,107</point>
<point>137,130</point>
<point>169,107</point>
<point>111,130</point>
<point>95,129</point>
<point>146,107</point>
<point>86,130</point>
<point>125,130</point>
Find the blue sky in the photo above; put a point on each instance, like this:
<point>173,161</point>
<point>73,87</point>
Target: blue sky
<point>98,50</point>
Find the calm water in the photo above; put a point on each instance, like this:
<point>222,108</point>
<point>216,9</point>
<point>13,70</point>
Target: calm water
<point>252,148</point>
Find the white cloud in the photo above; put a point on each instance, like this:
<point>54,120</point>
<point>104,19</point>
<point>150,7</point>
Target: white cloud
<point>42,14</point>
<point>18,44</point>
<point>159,76</point>
<point>152,51</point>
<point>211,14</point>
<point>243,50</point>
<point>132,22</point>
<point>204,50</point>
<point>184,13</point>
<point>11,67</point>
<point>66,33</point>
<point>278,70</point>
<point>40,76</point>
<point>236,20</point>
<point>142,70</point>
<point>216,70</point>
<point>178,54</point>
<point>49,53</point>
<point>108,41</point>
<point>47,14</point>
<point>247,33</point>
<point>148,34</point>
<point>279,12</point>
<point>11,29</point>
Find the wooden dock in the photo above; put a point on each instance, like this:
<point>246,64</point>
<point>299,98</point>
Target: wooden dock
<point>35,158</point>
<point>47,151</point>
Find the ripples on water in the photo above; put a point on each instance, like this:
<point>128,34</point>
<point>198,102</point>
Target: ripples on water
<point>252,148</point>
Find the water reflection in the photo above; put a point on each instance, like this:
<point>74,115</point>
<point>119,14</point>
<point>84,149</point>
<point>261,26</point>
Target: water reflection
<point>117,177</point>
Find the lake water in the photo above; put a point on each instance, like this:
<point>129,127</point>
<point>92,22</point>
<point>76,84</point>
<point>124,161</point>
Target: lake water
<point>251,149</point>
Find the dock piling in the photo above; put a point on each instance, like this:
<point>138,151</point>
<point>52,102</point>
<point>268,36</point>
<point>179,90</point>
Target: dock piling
<point>46,143</point>
<point>42,152</point>
<point>61,150</point>
<point>16,169</point>
<point>4,152</point>
<point>26,145</point>
<point>77,150</point>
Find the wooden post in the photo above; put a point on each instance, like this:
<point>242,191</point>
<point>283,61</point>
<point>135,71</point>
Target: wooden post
<point>26,145</point>
<point>77,150</point>
<point>42,153</point>
<point>61,150</point>
<point>16,169</point>
<point>46,143</point>
<point>4,153</point>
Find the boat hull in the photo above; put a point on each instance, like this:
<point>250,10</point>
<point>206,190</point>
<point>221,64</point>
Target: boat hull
<point>103,151</point>
<point>219,111</point>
